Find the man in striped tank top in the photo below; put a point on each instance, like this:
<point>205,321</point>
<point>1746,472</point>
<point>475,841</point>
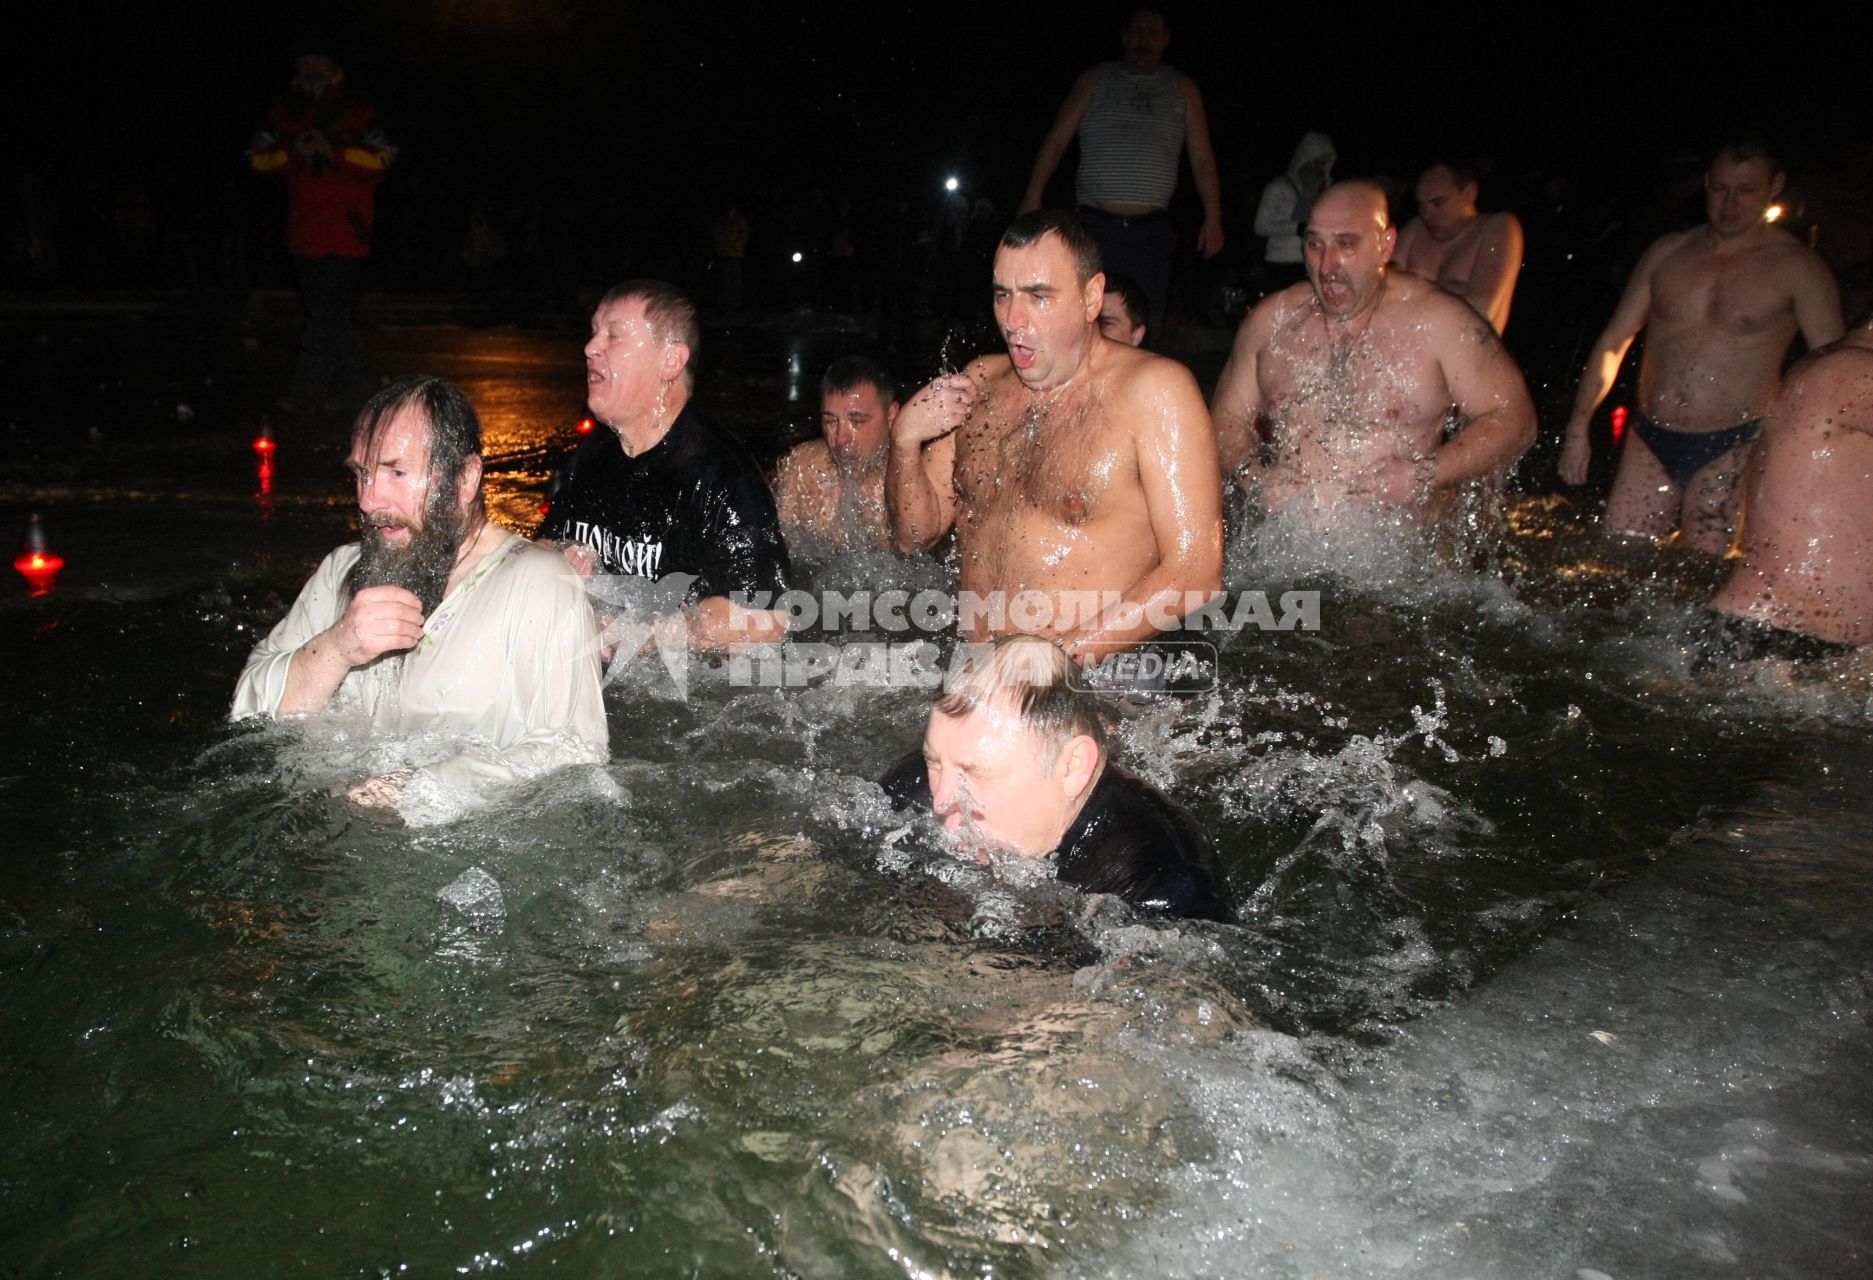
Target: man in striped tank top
<point>1132,118</point>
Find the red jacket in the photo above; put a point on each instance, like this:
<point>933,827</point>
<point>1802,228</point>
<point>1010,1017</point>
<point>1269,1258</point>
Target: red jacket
<point>329,200</point>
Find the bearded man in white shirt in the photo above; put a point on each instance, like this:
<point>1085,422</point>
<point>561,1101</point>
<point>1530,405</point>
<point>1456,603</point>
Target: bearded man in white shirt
<point>437,622</point>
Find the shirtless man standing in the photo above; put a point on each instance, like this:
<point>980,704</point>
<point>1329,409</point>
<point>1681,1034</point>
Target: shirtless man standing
<point>1807,546</point>
<point>1356,372</point>
<point>1475,255</point>
<point>1719,305</point>
<point>830,492</point>
<point>1073,469</point>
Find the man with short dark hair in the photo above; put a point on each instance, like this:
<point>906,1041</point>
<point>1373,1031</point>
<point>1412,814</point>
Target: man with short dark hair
<point>1079,474</point>
<point>830,491</point>
<point>1132,118</point>
<point>667,492</point>
<point>1014,761</point>
<point>1720,305</point>
<point>1123,311</point>
<point>437,621</point>
<point>1355,373</point>
<point>1475,255</point>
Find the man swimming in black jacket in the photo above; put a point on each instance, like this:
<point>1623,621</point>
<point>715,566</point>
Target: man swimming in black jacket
<point>1015,758</point>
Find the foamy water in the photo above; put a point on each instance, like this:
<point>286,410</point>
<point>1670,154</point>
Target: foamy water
<point>1550,962</point>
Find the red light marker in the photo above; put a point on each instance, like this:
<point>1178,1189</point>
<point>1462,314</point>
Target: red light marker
<point>1619,422</point>
<point>36,564</point>
<point>585,426</point>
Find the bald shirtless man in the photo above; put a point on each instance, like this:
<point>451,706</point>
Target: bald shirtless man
<point>1804,582</point>
<point>1475,255</point>
<point>1079,473</point>
<point>1719,305</point>
<point>1355,373</point>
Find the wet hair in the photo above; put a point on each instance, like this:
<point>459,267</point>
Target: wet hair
<point>1132,294</point>
<point>671,314</point>
<point>1030,227</point>
<point>454,426</point>
<point>1749,145</point>
<point>850,372</point>
<point>1025,675</point>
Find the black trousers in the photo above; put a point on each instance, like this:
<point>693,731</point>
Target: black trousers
<point>331,355</point>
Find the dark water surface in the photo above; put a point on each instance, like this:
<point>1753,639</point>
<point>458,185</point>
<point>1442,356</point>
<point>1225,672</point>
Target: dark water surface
<point>1553,961</point>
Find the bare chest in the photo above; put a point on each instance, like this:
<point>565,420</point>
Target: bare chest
<point>1451,263</point>
<point>1063,459</point>
<point>1380,383</point>
<point>1743,296</point>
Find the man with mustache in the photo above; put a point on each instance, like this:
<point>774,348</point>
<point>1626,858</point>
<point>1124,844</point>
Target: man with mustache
<point>1014,761</point>
<point>437,621</point>
<point>1355,373</point>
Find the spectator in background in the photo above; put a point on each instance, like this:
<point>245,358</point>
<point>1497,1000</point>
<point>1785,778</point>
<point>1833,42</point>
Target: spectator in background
<point>1286,202</point>
<point>323,143</point>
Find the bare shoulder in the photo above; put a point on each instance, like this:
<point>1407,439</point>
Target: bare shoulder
<point>1501,226</point>
<point>1665,246</point>
<point>1838,378</point>
<point>1133,375</point>
<point>807,457</point>
<point>1793,256</point>
<point>1450,324</point>
<point>1280,310</point>
<point>987,371</point>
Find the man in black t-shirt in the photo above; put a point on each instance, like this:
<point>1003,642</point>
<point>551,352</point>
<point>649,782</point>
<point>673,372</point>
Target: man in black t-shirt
<point>1014,759</point>
<point>666,497</point>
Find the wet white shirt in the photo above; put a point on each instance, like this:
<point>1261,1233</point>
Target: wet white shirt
<point>508,664</point>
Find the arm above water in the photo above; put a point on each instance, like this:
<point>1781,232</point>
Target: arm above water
<point>1491,399</point>
<point>1498,262</point>
<point>1817,302</point>
<point>1182,490</point>
<point>1602,370</point>
<point>1203,170</point>
<point>1059,138</point>
<point>920,475</point>
<point>1236,406</point>
<point>301,663</point>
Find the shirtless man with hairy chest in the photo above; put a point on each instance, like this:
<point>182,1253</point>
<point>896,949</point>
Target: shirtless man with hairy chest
<point>1355,374</point>
<point>1079,473</point>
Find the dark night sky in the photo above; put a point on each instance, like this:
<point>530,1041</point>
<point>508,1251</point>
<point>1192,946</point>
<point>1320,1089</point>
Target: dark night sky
<point>698,98</point>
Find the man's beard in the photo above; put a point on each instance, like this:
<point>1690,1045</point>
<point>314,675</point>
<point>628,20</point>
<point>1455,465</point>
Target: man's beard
<point>422,565</point>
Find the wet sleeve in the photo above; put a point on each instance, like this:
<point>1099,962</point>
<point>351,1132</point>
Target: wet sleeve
<point>1150,852</point>
<point>744,549</point>
<point>321,601</point>
<point>555,712</point>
